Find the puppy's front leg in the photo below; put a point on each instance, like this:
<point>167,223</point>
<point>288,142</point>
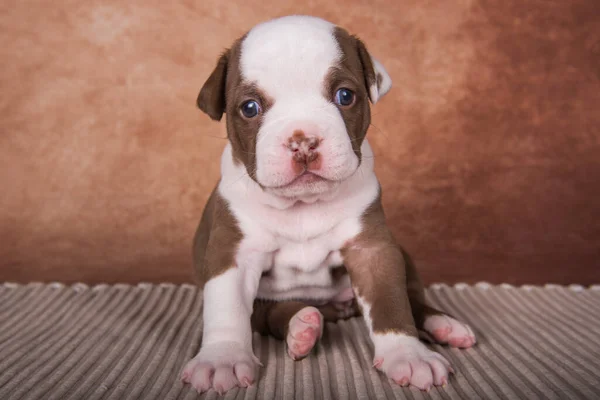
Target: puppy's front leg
<point>376,267</point>
<point>226,358</point>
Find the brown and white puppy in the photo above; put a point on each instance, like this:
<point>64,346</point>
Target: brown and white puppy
<point>294,233</point>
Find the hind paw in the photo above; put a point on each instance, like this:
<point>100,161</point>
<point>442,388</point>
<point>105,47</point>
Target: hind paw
<point>445,329</point>
<point>305,328</point>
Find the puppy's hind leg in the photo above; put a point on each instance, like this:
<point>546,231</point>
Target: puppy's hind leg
<point>299,324</point>
<point>439,325</point>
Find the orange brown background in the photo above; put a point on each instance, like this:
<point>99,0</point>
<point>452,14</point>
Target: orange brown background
<point>488,145</point>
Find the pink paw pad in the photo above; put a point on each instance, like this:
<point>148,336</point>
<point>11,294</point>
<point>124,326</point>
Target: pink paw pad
<point>312,318</point>
<point>308,334</point>
<point>302,348</point>
<point>441,334</point>
<point>305,329</point>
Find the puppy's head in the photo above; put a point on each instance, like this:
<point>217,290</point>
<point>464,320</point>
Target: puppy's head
<point>296,92</point>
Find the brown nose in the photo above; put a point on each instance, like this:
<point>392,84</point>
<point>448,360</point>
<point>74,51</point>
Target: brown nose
<point>304,148</point>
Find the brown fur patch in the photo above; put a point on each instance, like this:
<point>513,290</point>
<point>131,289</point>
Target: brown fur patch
<point>338,272</point>
<point>273,317</point>
<point>378,273</point>
<point>211,98</point>
<point>385,276</point>
<point>353,72</point>
<point>216,240</point>
<point>416,295</point>
<point>298,136</point>
<point>224,92</point>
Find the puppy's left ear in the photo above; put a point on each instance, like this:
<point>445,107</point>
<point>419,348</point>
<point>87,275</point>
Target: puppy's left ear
<point>377,79</point>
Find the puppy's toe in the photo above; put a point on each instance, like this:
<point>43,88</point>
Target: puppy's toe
<point>221,366</point>
<point>200,377</point>
<point>410,362</point>
<point>224,379</point>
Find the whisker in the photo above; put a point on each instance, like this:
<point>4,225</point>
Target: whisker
<point>387,138</point>
<point>243,175</point>
<point>380,131</point>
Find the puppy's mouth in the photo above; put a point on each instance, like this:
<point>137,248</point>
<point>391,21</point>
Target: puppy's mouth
<point>305,178</point>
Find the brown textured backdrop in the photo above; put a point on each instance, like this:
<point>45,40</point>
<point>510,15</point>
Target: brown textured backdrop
<point>488,146</point>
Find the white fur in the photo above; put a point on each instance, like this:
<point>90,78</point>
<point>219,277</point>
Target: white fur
<point>289,59</point>
<point>405,359</point>
<point>228,300</point>
<point>300,238</point>
<point>366,312</point>
<point>378,91</point>
<point>226,358</point>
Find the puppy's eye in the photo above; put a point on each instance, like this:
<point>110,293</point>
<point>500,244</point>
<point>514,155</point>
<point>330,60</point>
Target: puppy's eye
<point>344,97</point>
<point>250,109</point>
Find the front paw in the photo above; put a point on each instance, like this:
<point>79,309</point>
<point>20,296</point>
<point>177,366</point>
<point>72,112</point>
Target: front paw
<point>407,361</point>
<point>221,366</point>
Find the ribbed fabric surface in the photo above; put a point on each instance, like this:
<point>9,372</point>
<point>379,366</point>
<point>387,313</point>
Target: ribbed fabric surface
<point>130,342</point>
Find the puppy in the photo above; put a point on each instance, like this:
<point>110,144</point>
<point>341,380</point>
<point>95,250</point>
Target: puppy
<point>294,233</point>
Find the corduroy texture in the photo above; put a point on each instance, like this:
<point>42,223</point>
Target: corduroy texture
<point>130,342</point>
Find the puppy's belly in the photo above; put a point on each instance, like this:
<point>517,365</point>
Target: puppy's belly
<point>310,278</point>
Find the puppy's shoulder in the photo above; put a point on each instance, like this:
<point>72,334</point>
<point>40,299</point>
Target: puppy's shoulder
<point>216,238</point>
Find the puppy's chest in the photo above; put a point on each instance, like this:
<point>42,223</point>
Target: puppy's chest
<point>305,241</point>
<point>304,251</point>
<point>307,256</point>
<point>306,269</point>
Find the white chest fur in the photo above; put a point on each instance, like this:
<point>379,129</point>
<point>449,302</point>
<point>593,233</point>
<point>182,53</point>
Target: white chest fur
<point>297,243</point>
<point>301,263</point>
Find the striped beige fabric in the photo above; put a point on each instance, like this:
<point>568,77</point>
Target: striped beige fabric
<point>130,342</point>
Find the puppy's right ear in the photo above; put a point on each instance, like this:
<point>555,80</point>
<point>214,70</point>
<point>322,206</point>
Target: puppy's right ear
<point>211,99</point>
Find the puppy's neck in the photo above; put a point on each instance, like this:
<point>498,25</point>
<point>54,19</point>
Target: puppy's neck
<point>236,185</point>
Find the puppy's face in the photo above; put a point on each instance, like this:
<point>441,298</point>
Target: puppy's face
<point>296,94</point>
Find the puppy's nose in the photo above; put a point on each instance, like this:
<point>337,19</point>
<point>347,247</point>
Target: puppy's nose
<point>303,147</point>
<point>300,142</point>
